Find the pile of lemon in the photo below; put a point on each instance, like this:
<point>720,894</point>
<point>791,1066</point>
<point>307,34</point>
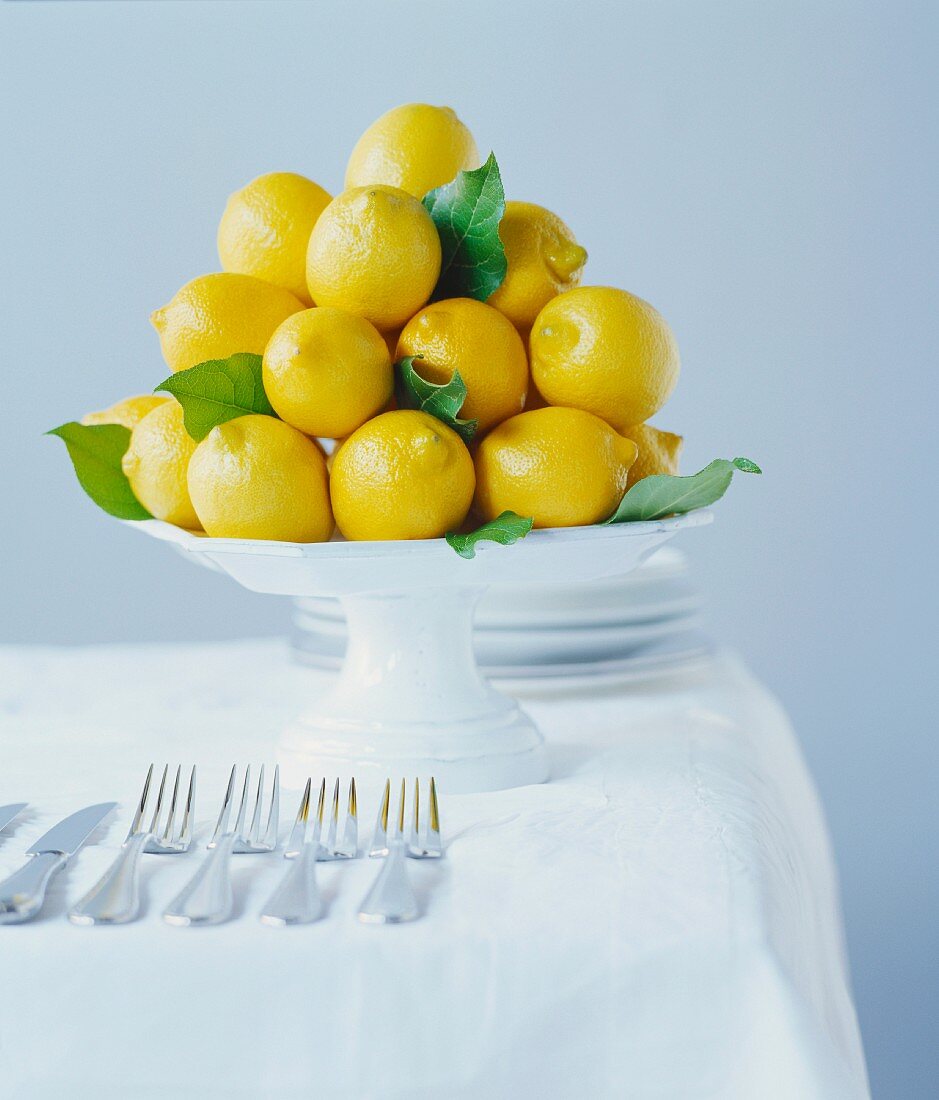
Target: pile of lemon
<point>561,379</point>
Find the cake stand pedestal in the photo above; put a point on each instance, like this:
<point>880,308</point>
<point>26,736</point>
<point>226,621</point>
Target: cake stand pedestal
<point>410,699</point>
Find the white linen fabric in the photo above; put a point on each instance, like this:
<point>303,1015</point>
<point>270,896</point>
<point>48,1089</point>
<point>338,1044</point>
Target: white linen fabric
<point>659,921</point>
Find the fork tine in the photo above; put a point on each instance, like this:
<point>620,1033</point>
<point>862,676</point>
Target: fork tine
<point>433,842</point>
<point>298,832</point>
<point>141,805</point>
<point>185,834</point>
<point>350,833</point>
<point>239,829</point>
<point>399,830</point>
<point>380,836</point>
<point>273,816</point>
<point>318,824</point>
<point>154,821</point>
<point>171,817</point>
<point>416,819</point>
<point>333,821</point>
<point>222,824</point>
<point>254,831</point>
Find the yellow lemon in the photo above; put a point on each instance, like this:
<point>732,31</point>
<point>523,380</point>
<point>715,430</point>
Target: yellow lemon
<point>266,228</point>
<point>562,467</point>
<point>217,315</point>
<point>544,260</point>
<point>475,339</point>
<point>403,475</point>
<point>658,451</point>
<point>415,147</point>
<point>128,412</point>
<point>605,351</point>
<point>257,478</point>
<point>374,252</point>
<point>327,371</point>
<point>156,463</point>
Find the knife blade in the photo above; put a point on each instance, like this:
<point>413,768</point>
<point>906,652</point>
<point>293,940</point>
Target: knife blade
<point>22,894</point>
<point>71,832</point>
<point>7,813</point>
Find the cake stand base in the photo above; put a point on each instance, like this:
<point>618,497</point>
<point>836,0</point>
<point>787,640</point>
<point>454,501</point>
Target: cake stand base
<point>410,702</point>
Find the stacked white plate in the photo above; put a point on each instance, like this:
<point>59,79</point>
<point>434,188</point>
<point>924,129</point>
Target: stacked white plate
<point>648,621</point>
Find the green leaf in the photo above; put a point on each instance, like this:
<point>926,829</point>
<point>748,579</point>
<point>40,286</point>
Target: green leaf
<point>443,401</point>
<point>218,390</point>
<point>504,529</point>
<point>467,212</point>
<point>662,495</point>
<point>96,451</point>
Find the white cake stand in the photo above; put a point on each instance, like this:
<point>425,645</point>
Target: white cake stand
<point>409,699</point>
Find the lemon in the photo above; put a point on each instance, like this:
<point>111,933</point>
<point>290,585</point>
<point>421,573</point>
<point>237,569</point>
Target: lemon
<point>127,412</point>
<point>156,462</point>
<point>562,467</point>
<point>658,451</point>
<point>544,260</point>
<point>374,251</point>
<point>266,228</point>
<point>475,339</point>
<point>403,475</point>
<point>605,351</point>
<point>415,147</point>
<point>327,371</point>
<point>215,316</point>
<point>257,478</point>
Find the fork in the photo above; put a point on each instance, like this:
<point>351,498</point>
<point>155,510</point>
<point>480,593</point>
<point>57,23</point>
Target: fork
<point>208,898</point>
<point>391,899</point>
<point>297,900</point>
<point>115,897</point>
<point>423,843</point>
<point>348,847</point>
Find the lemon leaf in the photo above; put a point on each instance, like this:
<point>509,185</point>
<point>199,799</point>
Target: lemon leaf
<point>662,495</point>
<point>504,529</point>
<point>96,451</point>
<point>218,390</point>
<point>443,401</point>
<point>467,212</point>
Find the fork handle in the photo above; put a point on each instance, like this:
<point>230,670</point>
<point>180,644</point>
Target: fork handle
<point>207,899</point>
<point>115,897</point>
<point>22,894</point>
<point>391,899</point>
<point>297,899</point>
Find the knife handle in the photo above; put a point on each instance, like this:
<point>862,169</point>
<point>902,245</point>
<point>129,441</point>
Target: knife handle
<point>22,894</point>
<point>115,897</point>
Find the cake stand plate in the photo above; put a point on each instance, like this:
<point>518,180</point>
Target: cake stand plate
<point>409,699</point>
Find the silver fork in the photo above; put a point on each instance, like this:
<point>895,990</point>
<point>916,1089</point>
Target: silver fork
<point>391,899</point>
<point>424,841</point>
<point>297,900</point>
<point>115,897</point>
<point>207,898</point>
<point>348,846</point>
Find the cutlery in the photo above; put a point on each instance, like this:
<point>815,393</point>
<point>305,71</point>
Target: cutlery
<point>332,848</point>
<point>207,898</point>
<point>115,897</point>
<point>22,894</point>
<point>297,900</point>
<point>422,843</point>
<point>391,899</point>
<point>253,841</point>
<point>7,813</point>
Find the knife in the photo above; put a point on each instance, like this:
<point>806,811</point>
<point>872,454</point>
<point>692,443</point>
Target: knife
<point>7,813</point>
<point>22,894</point>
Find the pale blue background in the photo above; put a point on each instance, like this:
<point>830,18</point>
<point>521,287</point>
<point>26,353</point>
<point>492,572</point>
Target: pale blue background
<point>764,173</point>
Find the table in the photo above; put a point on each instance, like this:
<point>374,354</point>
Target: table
<point>659,921</point>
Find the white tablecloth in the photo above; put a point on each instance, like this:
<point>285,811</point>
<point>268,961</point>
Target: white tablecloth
<point>659,921</point>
